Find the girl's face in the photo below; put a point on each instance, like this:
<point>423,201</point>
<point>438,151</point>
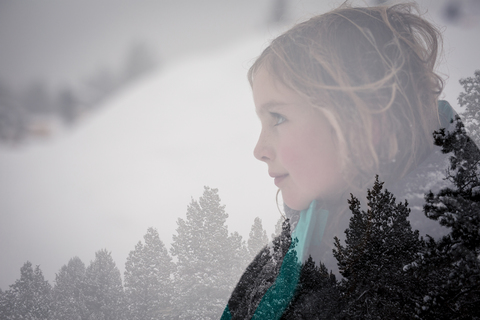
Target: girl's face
<point>296,142</point>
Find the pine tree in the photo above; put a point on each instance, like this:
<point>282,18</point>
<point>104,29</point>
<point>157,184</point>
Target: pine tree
<point>159,268</point>
<point>240,256</point>
<point>28,298</point>
<point>6,305</point>
<point>134,277</point>
<point>68,292</point>
<point>148,284</point>
<point>442,279</point>
<point>205,258</point>
<point>257,238</point>
<point>470,100</point>
<point>379,243</point>
<point>317,296</point>
<point>104,296</point>
<point>449,268</point>
<point>278,227</point>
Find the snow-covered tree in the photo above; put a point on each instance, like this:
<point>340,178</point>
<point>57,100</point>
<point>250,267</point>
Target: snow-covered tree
<point>68,292</point>
<point>379,243</point>
<point>257,238</point>
<point>104,296</point>
<point>470,100</point>
<point>239,256</point>
<point>28,298</point>
<point>317,296</point>
<point>278,227</point>
<point>449,268</point>
<point>205,259</point>
<point>134,282</point>
<point>148,283</point>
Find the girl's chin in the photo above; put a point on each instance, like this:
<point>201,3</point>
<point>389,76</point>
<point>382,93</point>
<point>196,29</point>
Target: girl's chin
<point>297,204</point>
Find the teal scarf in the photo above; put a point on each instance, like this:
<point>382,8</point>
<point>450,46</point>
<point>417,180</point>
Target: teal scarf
<point>308,233</point>
<point>446,113</point>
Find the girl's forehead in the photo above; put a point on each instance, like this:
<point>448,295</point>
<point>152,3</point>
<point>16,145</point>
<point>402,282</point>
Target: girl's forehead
<point>268,92</point>
<point>262,77</point>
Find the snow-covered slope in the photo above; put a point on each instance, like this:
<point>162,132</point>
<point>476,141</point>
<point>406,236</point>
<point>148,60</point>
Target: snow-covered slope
<point>136,164</point>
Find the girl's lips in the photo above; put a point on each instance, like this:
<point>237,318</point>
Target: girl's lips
<point>279,179</point>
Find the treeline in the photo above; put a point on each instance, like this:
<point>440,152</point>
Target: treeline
<point>389,271</point>
<point>208,263</point>
<point>35,110</point>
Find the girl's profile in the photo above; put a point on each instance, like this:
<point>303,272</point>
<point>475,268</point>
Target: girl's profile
<point>297,144</point>
<point>342,98</point>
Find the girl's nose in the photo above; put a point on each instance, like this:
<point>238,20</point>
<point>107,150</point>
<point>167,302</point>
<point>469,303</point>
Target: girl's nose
<point>263,150</point>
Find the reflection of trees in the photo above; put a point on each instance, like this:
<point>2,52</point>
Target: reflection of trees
<point>388,271</point>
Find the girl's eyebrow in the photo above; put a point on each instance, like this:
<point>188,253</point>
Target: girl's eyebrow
<point>273,104</point>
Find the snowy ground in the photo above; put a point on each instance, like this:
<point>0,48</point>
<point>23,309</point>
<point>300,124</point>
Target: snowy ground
<point>137,164</point>
<point>138,161</point>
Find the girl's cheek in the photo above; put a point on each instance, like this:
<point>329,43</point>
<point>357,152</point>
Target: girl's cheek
<point>294,155</point>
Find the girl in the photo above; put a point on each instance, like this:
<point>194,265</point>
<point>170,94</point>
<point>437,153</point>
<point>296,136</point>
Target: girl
<point>341,97</point>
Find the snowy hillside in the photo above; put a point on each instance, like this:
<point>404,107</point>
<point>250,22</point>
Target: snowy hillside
<point>137,164</point>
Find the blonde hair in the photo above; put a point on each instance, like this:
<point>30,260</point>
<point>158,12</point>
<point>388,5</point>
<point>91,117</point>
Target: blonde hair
<point>365,69</point>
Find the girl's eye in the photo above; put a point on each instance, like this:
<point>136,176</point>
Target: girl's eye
<point>279,118</point>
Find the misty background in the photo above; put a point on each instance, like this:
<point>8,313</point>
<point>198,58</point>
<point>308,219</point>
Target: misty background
<point>114,114</point>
